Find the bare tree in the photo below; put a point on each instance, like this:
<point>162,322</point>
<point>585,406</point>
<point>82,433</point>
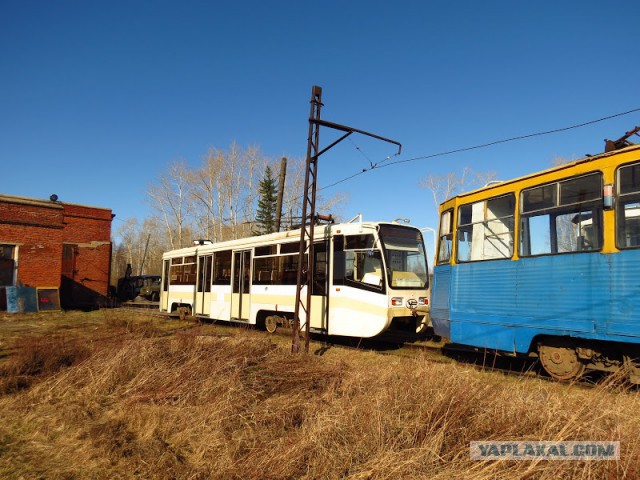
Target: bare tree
<point>169,198</point>
<point>218,201</point>
<point>140,246</point>
<point>223,192</point>
<point>446,186</point>
<point>118,262</point>
<point>293,196</point>
<point>205,190</point>
<point>332,205</point>
<point>240,171</point>
<point>293,188</point>
<point>557,161</point>
<point>155,244</point>
<point>256,164</point>
<point>129,233</point>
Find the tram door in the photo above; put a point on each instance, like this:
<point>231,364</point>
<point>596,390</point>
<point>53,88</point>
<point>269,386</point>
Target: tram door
<point>319,298</point>
<point>164,295</point>
<point>240,298</point>
<point>203,287</point>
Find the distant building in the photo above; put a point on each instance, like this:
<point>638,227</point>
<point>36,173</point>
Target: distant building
<point>47,243</point>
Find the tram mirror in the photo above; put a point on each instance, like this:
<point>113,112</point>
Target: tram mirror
<point>608,196</point>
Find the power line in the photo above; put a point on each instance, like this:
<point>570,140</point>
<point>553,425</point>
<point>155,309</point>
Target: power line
<point>476,147</point>
<point>360,151</point>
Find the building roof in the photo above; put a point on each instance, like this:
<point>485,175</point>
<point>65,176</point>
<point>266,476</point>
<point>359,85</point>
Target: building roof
<point>56,204</point>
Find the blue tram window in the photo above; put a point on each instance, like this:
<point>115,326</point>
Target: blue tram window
<point>628,207</point>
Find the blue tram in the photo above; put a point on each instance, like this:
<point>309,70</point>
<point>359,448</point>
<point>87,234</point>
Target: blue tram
<point>546,265</point>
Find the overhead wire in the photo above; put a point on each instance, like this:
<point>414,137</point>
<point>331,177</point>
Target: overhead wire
<point>360,151</point>
<point>381,163</point>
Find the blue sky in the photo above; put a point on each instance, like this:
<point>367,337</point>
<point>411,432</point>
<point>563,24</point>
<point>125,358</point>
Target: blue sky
<point>97,97</point>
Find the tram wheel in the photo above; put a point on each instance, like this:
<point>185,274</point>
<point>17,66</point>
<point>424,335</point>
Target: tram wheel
<point>270,323</point>
<point>184,312</point>
<point>632,367</point>
<point>560,362</point>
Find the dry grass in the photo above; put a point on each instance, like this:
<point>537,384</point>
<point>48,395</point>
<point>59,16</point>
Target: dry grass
<point>241,406</point>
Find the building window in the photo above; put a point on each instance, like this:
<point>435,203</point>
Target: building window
<point>7,265</point>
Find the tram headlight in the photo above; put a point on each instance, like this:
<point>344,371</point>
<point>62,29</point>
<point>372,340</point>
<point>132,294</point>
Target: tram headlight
<point>396,301</point>
<point>423,301</point>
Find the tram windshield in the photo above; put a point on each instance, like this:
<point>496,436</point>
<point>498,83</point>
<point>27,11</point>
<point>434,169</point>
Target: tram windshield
<point>405,257</point>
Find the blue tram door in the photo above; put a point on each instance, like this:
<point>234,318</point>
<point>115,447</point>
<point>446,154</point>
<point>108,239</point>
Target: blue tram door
<point>240,297</point>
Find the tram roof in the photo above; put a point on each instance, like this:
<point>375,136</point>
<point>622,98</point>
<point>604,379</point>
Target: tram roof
<point>292,235</point>
<point>585,160</point>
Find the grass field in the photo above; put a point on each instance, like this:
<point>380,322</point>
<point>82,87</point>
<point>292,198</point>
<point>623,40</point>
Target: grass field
<point>119,394</point>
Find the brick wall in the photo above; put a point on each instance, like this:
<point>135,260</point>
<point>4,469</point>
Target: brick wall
<point>90,229</point>
<point>37,231</point>
<point>40,229</point>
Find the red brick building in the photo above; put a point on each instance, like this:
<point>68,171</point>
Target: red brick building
<point>46,243</point>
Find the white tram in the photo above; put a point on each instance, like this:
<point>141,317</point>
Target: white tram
<point>368,277</point>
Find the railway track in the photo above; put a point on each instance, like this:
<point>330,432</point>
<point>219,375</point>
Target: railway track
<point>141,305</point>
<point>440,351</point>
<point>400,344</point>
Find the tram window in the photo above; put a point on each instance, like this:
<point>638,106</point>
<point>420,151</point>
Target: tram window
<point>265,271</point>
<point>176,271</point>
<point>338,260</point>
<point>568,220</point>
<point>537,233</point>
<point>293,247</point>
<point>165,283</point>
<point>357,242</point>
<point>485,229</point>
<point>189,272</point>
<point>405,255</point>
<point>628,207</point>
<point>319,286</point>
<point>204,280</point>
<point>360,269</point>
<point>539,198</point>
<point>222,268</point>
<point>628,225</point>
<point>241,271</point>
<point>266,250</point>
<point>629,179</point>
<point>363,269</point>
<point>575,232</point>
<point>446,237</point>
<point>289,269</point>
<point>581,189</point>
<point>183,274</point>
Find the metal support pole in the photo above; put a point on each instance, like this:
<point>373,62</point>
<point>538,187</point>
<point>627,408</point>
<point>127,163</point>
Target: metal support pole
<point>306,264</point>
<point>283,174</point>
<point>144,256</point>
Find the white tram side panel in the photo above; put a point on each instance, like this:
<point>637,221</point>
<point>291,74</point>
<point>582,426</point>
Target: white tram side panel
<point>279,299</point>
<point>357,313</point>
<point>220,303</point>
<point>250,279</point>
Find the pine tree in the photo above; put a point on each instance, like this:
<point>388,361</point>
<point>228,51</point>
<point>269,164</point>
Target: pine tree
<point>266,213</point>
